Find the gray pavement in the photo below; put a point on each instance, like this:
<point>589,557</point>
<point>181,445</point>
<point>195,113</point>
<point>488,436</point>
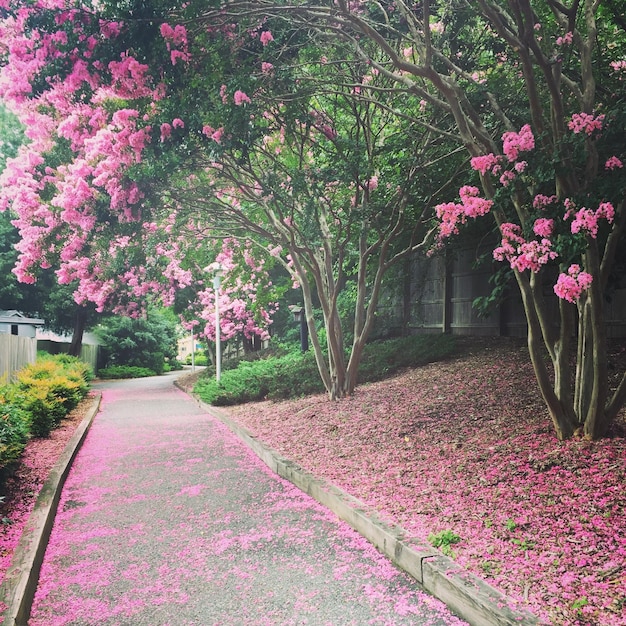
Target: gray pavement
<point>166,518</point>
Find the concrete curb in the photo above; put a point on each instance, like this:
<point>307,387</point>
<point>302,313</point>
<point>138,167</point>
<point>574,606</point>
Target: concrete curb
<point>18,588</point>
<point>466,595</point>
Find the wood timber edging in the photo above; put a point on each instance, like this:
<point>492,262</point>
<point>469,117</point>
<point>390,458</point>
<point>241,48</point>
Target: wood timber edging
<point>468,596</point>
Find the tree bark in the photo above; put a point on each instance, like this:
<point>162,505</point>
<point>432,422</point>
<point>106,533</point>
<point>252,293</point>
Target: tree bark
<point>80,321</point>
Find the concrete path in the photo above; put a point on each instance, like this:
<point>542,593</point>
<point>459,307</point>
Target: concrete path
<point>167,519</point>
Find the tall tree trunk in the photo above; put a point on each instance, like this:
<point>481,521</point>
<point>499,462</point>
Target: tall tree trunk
<point>80,321</point>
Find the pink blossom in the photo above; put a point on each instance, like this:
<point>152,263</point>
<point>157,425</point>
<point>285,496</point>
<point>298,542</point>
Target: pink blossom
<point>372,183</point>
<point>266,68</point>
<point>541,201</point>
<point>543,227</point>
<point>166,131</point>
<point>437,27</point>
<point>583,122</point>
<point>241,98</point>
<point>565,39</point>
<point>570,286</point>
<point>266,37</point>
<point>514,143</point>
<point>522,254</point>
<point>507,177</point>
<point>178,123</point>
<point>484,163</point>
<point>613,163</point>
<point>618,66</point>
<point>586,220</point>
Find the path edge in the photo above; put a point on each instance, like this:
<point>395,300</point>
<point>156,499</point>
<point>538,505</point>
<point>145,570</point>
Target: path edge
<point>20,584</point>
<point>466,595</point>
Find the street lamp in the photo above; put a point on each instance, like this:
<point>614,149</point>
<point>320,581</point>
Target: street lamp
<point>193,346</point>
<point>217,271</point>
<point>300,317</point>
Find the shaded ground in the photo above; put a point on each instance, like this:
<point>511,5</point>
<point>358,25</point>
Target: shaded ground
<point>463,445</point>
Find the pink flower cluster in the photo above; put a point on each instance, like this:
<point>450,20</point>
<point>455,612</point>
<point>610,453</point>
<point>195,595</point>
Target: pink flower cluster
<point>586,220</point>
<point>514,143</point>
<point>585,123</point>
<point>613,163</point>
<point>570,286</point>
<point>452,214</point>
<point>176,38</point>
<point>526,255</point>
<point>266,37</point>
<point>240,97</point>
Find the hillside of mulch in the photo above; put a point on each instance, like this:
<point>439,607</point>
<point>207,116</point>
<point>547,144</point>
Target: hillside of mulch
<point>466,445</point>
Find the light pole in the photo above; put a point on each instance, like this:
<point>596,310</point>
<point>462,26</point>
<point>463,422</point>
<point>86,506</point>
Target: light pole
<point>193,348</point>
<point>300,317</point>
<point>217,271</point>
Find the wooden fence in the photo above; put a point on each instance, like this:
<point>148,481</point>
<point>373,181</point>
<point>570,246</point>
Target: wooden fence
<point>435,294</point>
<point>15,353</point>
<point>89,353</point>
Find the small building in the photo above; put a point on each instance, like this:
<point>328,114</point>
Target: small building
<point>15,323</point>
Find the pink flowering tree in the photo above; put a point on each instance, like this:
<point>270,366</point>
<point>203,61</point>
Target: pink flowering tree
<point>245,297</point>
<point>520,83</point>
<point>317,179</point>
<point>95,124</point>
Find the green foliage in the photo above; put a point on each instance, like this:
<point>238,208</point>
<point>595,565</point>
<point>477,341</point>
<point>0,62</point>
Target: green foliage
<point>199,359</point>
<point>296,374</point>
<point>125,371</point>
<point>49,389</point>
<point>383,358</point>
<point>146,343</point>
<point>444,540</point>
<point>14,426</point>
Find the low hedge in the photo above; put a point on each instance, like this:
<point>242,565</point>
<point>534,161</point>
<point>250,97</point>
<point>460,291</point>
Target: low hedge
<point>296,374</point>
<point>125,371</point>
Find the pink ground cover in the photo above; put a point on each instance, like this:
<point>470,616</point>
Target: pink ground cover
<point>467,445</point>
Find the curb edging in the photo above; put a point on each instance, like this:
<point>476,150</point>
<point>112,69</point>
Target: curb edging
<point>468,596</point>
<point>19,586</point>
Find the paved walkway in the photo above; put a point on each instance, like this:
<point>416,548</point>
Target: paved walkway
<point>167,519</point>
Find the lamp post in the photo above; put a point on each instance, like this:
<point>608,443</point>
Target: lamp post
<point>217,271</point>
<point>300,317</point>
<point>193,347</point>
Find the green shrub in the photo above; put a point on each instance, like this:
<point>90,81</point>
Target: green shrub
<point>125,371</point>
<point>296,374</point>
<point>49,389</point>
<point>14,426</point>
<point>383,358</point>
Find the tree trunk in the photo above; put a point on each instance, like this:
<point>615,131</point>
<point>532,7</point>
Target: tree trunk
<point>80,321</point>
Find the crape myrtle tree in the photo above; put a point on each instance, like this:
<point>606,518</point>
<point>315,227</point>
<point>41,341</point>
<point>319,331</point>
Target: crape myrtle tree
<point>133,107</point>
<point>87,101</point>
<point>536,91</point>
<point>311,161</point>
<point>46,299</point>
<point>246,295</point>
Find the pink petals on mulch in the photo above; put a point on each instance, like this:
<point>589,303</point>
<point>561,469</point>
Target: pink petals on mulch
<point>467,445</point>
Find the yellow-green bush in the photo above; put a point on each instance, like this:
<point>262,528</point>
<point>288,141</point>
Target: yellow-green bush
<point>50,389</point>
